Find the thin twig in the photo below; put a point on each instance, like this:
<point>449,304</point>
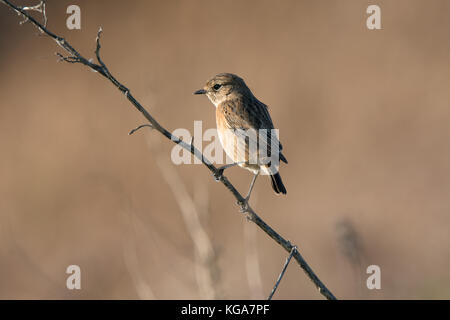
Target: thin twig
<point>40,7</point>
<point>139,127</point>
<point>282,272</point>
<point>100,67</point>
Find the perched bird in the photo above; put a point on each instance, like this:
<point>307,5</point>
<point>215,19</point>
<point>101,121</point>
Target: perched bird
<point>245,129</point>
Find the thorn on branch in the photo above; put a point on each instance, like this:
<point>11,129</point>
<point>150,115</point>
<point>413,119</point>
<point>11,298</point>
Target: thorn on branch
<point>140,127</point>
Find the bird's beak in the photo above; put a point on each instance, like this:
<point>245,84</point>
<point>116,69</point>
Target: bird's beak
<point>201,91</point>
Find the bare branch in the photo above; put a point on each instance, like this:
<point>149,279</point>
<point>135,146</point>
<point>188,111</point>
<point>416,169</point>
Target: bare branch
<point>294,249</point>
<point>75,57</point>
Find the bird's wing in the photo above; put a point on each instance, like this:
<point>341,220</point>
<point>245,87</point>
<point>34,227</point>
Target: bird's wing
<point>244,115</point>
<point>265,110</point>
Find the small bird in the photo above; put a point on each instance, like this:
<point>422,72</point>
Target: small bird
<point>242,122</point>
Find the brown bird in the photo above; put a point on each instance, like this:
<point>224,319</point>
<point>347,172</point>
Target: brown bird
<point>245,129</point>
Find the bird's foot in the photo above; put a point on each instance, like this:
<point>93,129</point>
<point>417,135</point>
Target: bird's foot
<point>219,171</point>
<point>218,175</point>
<point>243,205</point>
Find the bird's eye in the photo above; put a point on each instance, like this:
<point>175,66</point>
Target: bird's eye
<point>217,86</point>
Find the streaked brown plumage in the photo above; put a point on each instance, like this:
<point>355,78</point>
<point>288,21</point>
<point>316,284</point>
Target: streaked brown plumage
<point>238,111</point>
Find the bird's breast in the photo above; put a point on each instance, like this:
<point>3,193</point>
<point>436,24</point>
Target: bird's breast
<point>226,136</point>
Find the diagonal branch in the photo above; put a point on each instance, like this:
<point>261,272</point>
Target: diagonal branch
<point>75,57</point>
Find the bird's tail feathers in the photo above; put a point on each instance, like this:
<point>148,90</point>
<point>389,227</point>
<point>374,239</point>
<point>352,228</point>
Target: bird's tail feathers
<point>277,184</point>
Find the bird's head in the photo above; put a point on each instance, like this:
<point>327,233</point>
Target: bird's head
<point>224,86</point>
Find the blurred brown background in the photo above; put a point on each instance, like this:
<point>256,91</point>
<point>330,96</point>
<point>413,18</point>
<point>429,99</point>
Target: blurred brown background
<point>363,117</point>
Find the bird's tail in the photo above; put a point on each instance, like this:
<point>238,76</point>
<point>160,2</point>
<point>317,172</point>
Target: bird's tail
<point>277,184</point>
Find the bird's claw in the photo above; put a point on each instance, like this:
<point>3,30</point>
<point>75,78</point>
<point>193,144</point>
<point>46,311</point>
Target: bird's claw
<point>218,174</point>
<point>243,205</point>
